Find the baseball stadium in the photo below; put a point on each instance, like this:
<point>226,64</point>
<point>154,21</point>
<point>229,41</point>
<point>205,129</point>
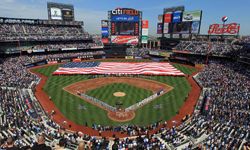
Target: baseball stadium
<point>112,83</point>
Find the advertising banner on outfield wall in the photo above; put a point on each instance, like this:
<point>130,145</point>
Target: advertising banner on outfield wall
<point>167,18</point>
<point>40,63</point>
<point>154,53</point>
<point>38,50</point>
<point>145,24</point>
<point>30,65</point>
<point>125,18</point>
<point>232,28</point>
<point>192,15</point>
<point>105,40</point>
<point>105,32</point>
<point>104,23</point>
<point>144,39</point>
<point>177,17</point>
<point>160,17</point>
<point>129,57</point>
<point>144,32</point>
<point>195,27</point>
<point>159,28</point>
<point>65,60</point>
<point>123,39</point>
<point>77,60</point>
<point>52,62</point>
<point>69,49</point>
<point>166,28</point>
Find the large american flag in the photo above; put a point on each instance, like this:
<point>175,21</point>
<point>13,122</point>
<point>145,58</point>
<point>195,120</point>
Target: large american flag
<point>145,68</point>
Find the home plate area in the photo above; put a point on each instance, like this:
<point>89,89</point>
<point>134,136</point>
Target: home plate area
<point>119,96</point>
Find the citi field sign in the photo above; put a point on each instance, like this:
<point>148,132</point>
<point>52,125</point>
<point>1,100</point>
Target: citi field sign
<point>125,11</point>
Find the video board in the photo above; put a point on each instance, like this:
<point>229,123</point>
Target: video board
<point>192,15</point>
<point>62,12</point>
<point>176,20</point>
<point>125,26</point>
<point>181,28</point>
<point>125,21</point>
<point>105,31</point>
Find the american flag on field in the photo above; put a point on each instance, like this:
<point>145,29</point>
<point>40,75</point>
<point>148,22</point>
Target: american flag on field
<point>145,68</point>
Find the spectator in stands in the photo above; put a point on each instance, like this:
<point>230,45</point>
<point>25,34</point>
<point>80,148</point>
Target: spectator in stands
<point>81,146</point>
<point>61,144</point>
<point>40,145</point>
<point>10,144</point>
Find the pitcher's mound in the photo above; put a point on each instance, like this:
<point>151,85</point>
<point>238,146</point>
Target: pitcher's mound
<point>119,94</point>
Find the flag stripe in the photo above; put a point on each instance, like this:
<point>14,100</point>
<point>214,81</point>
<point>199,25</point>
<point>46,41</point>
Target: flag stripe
<point>148,68</point>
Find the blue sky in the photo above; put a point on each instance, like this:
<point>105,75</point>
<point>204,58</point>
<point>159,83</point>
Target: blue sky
<point>92,11</point>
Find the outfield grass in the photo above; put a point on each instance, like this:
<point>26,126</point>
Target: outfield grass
<point>184,69</point>
<point>163,108</point>
<point>133,94</point>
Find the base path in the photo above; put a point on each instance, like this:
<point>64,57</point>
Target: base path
<point>118,115</point>
<point>91,84</point>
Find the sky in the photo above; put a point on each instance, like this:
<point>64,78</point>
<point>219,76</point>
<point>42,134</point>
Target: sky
<point>93,11</point>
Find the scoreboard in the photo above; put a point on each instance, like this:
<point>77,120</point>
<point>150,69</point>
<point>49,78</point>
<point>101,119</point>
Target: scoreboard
<point>62,12</point>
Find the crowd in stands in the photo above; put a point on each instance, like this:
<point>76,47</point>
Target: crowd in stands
<point>33,32</point>
<point>64,46</point>
<point>22,77</point>
<point>97,41</point>
<point>230,95</point>
<point>224,125</point>
<point>137,52</point>
<point>225,121</point>
<point>246,39</point>
<point>14,74</point>
<point>204,48</point>
<point>229,103</point>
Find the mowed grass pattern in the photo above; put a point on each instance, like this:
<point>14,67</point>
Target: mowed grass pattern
<point>133,94</point>
<point>163,108</point>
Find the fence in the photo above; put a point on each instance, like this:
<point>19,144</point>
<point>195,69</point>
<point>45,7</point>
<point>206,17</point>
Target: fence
<point>98,102</point>
<point>144,102</point>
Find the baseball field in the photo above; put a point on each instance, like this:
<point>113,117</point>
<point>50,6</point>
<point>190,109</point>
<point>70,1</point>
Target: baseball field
<point>84,113</point>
